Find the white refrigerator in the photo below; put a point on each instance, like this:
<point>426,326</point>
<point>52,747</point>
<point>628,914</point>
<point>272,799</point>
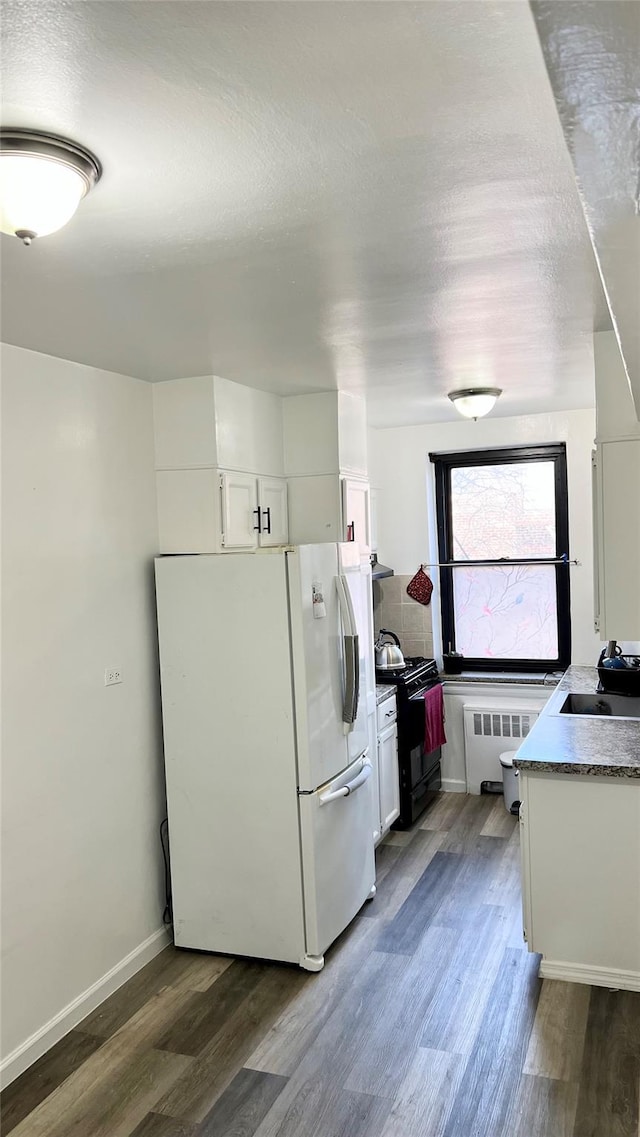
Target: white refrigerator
<point>267,677</point>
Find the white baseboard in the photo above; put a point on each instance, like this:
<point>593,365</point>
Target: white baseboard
<point>454,786</point>
<point>34,1047</point>
<point>595,976</point>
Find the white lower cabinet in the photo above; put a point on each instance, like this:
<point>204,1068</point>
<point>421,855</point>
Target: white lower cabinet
<point>216,511</point>
<point>388,776</point>
<point>580,848</point>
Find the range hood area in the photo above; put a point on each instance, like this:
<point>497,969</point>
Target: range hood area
<point>378,571</point>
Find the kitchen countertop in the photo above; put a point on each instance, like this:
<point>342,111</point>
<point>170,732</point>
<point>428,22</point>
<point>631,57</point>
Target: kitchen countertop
<point>384,691</point>
<point>566,744</point>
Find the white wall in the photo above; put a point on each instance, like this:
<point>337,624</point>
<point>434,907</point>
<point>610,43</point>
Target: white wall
<point>402,474</point>
<point>82,765</point>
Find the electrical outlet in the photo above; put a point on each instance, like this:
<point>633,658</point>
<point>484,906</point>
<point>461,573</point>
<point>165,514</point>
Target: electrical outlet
<point>112,675</point>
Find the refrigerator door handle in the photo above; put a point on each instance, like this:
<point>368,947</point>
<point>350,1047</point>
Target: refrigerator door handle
<point>351,786</point>
<point>351,646</point>
<point>352,680</point>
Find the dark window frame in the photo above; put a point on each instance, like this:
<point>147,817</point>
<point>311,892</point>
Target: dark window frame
<point>443,464</point>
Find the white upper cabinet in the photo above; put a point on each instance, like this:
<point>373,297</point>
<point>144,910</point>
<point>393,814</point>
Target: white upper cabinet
<point>616,493</point>
<point>272,499</point>
<point>352,434</point>
<point>248,429</point>
<point>310,432</point>
<point>209,421</point>
<point>240,512</point>
<point>184,424</point>
<point>616,539</point>
<point>325,454</point>
<point>355,511</point>
<point>325,434</point>
<point>616,413</point>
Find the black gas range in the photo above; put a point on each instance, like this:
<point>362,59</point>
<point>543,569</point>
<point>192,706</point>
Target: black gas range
<point>420,778</point>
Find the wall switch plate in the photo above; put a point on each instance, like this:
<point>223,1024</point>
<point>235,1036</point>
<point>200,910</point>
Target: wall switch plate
<point>112,675</point>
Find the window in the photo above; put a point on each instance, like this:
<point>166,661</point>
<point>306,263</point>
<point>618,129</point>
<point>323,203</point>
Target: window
<point>510,507</point>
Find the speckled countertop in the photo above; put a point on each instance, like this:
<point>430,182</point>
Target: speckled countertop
<point>580,744</point>
<point>384,691</point>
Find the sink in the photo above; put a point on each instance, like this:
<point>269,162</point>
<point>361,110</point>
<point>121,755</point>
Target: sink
<point>602,706</point>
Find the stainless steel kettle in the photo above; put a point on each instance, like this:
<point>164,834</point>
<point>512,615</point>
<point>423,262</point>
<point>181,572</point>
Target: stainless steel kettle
<point>388,655</point>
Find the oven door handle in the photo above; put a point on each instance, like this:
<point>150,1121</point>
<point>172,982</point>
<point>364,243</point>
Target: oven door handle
<point>423,690</point>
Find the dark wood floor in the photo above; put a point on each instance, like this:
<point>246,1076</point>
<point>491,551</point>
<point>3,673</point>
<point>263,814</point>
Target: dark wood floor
<point>427,1021</point>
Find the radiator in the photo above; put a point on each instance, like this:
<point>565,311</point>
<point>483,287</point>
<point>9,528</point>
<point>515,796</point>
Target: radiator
<point>490,730</point>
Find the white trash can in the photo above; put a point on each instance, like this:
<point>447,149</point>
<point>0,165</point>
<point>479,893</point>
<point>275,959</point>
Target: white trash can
<point>510,786</point>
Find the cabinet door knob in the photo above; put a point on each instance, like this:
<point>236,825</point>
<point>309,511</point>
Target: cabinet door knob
<point>257,527</point>
<point>267,513</point>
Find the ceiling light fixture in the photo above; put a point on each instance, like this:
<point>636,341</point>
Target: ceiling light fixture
<point>43,179</point>
<point>475,402</point>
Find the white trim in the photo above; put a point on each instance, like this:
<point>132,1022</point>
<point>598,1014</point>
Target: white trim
<point>454,785</point>
<point>585,973</point>
<point>43,1039</point>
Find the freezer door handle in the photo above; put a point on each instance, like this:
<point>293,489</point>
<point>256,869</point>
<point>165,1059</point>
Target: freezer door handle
<point>350,787</point>
<point>351,648</point>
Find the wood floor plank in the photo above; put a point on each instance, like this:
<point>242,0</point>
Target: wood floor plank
<point>386,1043</point>
<point>557,1039</point>
<point>114,1107</point>
<point>443,813</point>
<point>156,1125</point>
<point>499,823</point>
<point>542,1107</point>
<point>422,1104</point>
<point>27,1092</point>
<point>466,983</point>
<point>403,933</point>
<point>493,1070</point>
<point>107,1066</point>
<point>323,1109</point>
<point>400,837</point>
<point>404,874</point>
<point>206,1013</point>
<point>205,1081</point>
<point>373,1020</point>
<point>288,1040</point>
<point>610,1074</point>
<point>387,858</point>
<point>243,1105</point>
<point>462,836</point>
<point>173,967</point>
<point>472,886</point>
<point>332,1052</point>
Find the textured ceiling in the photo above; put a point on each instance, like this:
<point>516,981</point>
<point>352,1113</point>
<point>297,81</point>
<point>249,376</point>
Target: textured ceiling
<point>592,51</point>
<point>300,196</point>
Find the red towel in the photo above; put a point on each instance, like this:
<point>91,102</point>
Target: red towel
<point>434,718</point>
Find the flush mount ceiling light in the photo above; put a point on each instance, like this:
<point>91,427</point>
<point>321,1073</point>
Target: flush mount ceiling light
<point>43,179</point>
<point>475,402</point>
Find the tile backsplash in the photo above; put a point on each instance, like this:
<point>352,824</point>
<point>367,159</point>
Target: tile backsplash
<point>394,610</point>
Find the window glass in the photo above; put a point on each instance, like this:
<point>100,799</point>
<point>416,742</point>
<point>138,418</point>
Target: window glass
<point>506,612</point>
<point>505,510</point>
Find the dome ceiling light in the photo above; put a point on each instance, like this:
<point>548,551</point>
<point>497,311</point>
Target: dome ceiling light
<point>475,402</point>
<point>43,179</point>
